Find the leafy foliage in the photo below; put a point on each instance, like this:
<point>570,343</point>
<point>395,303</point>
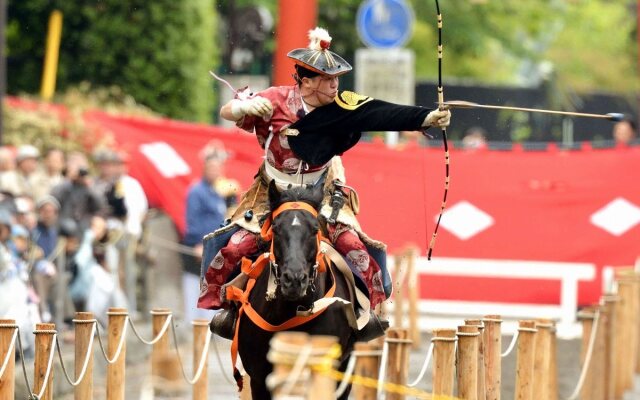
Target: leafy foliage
<point>159,52</point>
<point>46,126</point>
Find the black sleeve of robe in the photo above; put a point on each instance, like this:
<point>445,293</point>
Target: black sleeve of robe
<point>331,130</point>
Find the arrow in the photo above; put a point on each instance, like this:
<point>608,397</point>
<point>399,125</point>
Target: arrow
<point>615,117</point>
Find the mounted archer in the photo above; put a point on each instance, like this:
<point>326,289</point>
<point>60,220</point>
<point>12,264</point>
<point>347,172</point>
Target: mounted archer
<point>303,130</point>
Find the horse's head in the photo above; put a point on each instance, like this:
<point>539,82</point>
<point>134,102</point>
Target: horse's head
<point>295,242</point>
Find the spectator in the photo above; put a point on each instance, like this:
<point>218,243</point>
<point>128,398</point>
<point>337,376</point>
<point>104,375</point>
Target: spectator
<point>26,179</point>
<point>77,199</point>
<point>127,208</point>
<point>45,236</point>
<point>475,138</point>
<point>7,159</point>
<point>14,302</point>
<point>54,165</point>
<point>45,233</point>
<point>625,131</point>
<point>205,210</point>
<point>25,212</point>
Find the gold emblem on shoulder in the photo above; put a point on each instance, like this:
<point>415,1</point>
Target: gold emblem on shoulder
<point>291,132</point>
<point>351,100</point>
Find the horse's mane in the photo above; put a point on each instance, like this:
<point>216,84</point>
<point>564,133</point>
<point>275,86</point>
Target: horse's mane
<point>305,194</point>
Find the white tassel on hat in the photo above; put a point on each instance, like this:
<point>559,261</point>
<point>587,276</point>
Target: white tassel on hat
<point>319,39</point>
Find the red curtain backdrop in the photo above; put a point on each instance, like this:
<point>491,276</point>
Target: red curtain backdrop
<point>534,205</point>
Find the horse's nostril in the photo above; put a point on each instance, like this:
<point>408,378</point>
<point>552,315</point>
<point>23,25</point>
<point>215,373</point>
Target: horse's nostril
<point>293,279</point>
<point>301,277</point>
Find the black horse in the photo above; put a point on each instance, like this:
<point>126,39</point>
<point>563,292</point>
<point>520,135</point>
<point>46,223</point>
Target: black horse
<point>295,248</point>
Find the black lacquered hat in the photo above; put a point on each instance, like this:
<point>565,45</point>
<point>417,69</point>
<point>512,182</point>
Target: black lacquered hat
<point>317,57</point>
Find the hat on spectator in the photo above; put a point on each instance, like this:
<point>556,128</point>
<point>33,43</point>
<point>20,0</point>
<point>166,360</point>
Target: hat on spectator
<point>27,151</point>
<point>214,150</point>
<point>19,231</point>
<point>5,217</point>
<point>107,156</point>
<point>48,199</point>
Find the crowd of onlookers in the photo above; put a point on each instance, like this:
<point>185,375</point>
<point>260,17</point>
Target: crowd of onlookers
<point>69,225</point>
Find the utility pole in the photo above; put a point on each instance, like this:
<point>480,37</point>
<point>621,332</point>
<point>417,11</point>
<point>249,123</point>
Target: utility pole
<point>3,64</point>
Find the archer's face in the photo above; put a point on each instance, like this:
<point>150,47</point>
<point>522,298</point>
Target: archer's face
<point>325,88</point>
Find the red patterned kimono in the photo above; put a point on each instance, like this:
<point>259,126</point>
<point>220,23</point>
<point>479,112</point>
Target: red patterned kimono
<point>287,106</point>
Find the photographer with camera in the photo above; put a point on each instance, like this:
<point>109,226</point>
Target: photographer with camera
<point>78,200</point>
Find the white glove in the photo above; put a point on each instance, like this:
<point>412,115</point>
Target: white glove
<point>437,118</point>
<point>257,106</point>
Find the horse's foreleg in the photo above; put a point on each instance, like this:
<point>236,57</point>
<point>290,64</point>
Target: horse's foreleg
<point>259,390</point>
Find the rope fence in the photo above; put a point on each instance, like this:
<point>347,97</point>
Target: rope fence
<point>465,361</point>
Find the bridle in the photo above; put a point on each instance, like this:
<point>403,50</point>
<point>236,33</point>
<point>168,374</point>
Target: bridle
<point>267,235</point>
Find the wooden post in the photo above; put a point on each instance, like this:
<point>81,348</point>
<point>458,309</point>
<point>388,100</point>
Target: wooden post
<point>637,327</point>
<point>116,371</point>
<point>467,370</point>
<point>444,355</point>
<point>525,360</point>
<point>399,294</point>
<point>587,316</point>
<point>165,370</point>
<point>200,331</point>
<point>492,341</point>
<point>610,302</point>
<point>598,357</point>
<point>323,386</point>
<point>413,282</point>
<point>398,343</point>
<point>7,351</point>
<point>634,326</point>
<point>542,359</point>
<point>368,366</point>
<point>281,368</point>
<point>84,323</point>
<point>44,343</point>
<point>624,370</point>
<point>553,365</point>
<point>481,374</point>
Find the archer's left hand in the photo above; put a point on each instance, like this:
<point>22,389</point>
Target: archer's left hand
<point>437,118</point>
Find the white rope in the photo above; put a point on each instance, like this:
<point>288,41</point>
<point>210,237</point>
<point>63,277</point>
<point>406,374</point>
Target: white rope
<point>383,369</point>
<point>203,357</point>
<point>297,370</point>
<point>87,357</point>
<point>123,335</point>
<point>587,358</point>
<point>424,366</point>
<point>10,352</point>
<point>48,372</point>
<point>512,345</point>
<point>347,375</point>
<point>222,367</point>
<point>158,337</point>
<point>170,245</point>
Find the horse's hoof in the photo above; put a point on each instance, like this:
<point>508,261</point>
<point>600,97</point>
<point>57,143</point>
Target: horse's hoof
<point>375,328</point>
<point>223,324</point>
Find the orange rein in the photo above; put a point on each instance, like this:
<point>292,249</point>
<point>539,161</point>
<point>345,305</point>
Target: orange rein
<point>253,271</point>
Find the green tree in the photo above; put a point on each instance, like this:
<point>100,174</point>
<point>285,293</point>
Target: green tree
<point>159,52</point>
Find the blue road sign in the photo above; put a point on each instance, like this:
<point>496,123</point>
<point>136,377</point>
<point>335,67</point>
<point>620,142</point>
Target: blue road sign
<point>385,23</point>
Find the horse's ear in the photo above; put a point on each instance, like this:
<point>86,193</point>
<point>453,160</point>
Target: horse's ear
<point>274,194</point>
<point>317,194</point>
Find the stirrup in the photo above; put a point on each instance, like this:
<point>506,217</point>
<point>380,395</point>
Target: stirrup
<point>375,328</point>
<point>223,323</point>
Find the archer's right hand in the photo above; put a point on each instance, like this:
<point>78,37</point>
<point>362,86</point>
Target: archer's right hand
<point>256,106</point>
